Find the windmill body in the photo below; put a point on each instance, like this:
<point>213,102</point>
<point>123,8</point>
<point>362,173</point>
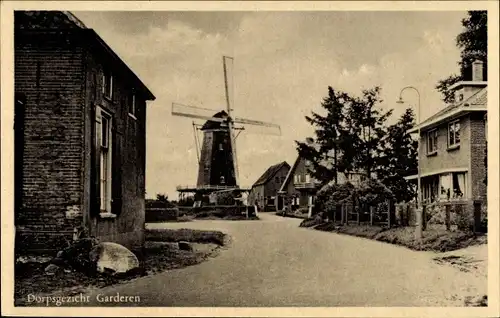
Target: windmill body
<point>216,166</point>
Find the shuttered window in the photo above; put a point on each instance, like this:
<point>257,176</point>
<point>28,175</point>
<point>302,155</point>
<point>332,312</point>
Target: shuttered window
<point>103,133</point>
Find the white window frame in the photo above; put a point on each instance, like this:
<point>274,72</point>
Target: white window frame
<point>107,91</point>
<point>432,135</point>
<point>454,143</point>
<point>105,160</point>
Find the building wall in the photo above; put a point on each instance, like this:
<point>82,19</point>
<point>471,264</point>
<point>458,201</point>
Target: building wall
<point>478,148</point>
<point>446,159</point>
<point>128,156</point>
<point>48,72</point>
<point>272,187</point>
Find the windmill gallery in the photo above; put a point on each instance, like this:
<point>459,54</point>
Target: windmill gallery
<point>217,158</point>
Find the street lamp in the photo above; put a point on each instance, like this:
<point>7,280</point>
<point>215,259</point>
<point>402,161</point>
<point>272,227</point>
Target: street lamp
<point>401,101</point>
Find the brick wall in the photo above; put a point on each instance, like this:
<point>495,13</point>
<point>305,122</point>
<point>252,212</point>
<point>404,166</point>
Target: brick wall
<point>478,147</point>
<point>48,72</point>
<point>129,155</point>
<point>272,187</point>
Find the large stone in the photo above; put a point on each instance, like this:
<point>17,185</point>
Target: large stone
<point>52,269</point>
<point>185,246</point>
<point>113,258</point>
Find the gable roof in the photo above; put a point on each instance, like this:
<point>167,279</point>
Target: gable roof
<point>476,102</point>
<point>270,172</point>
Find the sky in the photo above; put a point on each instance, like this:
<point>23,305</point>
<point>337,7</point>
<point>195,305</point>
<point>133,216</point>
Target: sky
<point>283,65</point>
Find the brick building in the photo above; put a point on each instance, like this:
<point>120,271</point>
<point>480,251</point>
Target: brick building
<point>80,138</point>
<point>265,189</point>
<point>453,144</point>
<point>301,187</point>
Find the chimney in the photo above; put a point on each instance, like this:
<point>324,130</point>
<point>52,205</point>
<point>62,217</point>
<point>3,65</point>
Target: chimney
<point>477,71</point>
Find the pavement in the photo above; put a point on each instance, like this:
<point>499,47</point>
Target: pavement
<point>272,262</point>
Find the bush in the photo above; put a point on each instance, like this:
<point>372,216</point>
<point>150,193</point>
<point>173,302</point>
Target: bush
<point>373,192</point>
<point>225,198</point>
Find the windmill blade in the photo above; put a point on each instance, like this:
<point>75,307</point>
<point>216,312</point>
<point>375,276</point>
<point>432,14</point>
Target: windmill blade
<point>227,63</point>
<point>195,112</point>
<point>257,123</point>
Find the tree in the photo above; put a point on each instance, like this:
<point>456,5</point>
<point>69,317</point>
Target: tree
<point>399,157</point>
<point>323,152</point>
<point>365,131</point>
<point>347,137</point>
<point>162,197</point>
<point>473,43</point>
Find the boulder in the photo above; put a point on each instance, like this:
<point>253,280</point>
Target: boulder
<point>185,246</point>
<point>52,269</point>
<point>112,258</point>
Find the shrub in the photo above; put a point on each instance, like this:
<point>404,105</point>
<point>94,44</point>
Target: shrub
<point>373,192</point>
<point>225,198</point>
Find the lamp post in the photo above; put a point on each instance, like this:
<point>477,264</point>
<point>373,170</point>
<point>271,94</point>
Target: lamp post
<point>419,194</point>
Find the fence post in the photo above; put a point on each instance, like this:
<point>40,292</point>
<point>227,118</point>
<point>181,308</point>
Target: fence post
<point>342,209</point>
<point>359,211</point>
<point>448,217</point>
<point>424,218</point>
<point>371,214</point>
<point>388,213</point>
<point>418,228</point>
<point>477,216</point>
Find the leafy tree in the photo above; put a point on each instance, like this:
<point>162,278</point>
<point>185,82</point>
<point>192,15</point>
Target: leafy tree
<point>162,197</point>
<point>473,43</point>
<point>399,157</point>
<point>366,129</point>
<point>324,152</point>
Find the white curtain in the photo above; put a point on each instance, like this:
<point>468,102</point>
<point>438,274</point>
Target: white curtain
<point>446,185</point>
<point>461,183</point>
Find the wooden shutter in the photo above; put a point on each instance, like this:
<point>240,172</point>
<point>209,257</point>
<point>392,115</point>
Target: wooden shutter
<point>116,170</point>
<point>96,164</point>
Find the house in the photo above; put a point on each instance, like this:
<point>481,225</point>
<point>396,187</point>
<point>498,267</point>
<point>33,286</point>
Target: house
<point>453,144</point>
<point>265,189</point>
<point>80,138</point>
<point>300,187</point>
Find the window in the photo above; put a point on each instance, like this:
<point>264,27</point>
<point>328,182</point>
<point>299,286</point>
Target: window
<point>103,134</point>
<point>107,85</point>
<point>221,147</point>
<point>308,178</point>
<point>454,134</point>
<point>432,139</point>
<point>222,180</point>
<point>131,105</point>
<point>277,180</point>
<point>453,186</point>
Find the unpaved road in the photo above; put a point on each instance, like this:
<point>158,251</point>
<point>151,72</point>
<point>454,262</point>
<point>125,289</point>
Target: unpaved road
<point>273,262</point>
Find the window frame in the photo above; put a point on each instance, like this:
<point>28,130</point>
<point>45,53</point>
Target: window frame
<point>132,105</point>
<point>455,144</point>
<point>105,146</point>
<point>107,90</point>
<point>432,135</point>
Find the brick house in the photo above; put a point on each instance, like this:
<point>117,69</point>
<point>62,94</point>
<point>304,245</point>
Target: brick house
<point>301,187</point>
<point>453,144</point>
<point>265,189</point>
<point>80,139</point>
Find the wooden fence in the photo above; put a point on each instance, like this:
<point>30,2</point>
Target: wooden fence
<point>465,215</point>
<point>349,213</point>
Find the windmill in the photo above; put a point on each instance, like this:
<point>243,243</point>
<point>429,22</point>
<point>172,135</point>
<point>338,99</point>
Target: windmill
<point>217,159</point>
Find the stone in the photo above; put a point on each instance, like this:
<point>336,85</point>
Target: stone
<point>51,269</point>
<point>112,258</point>
<point>185,246</point>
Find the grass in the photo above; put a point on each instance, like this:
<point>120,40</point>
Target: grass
<point>434,239</point>
<point>30,278</point>
<point>295,215</point>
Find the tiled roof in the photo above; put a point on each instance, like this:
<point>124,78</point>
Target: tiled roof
<point>477,100</point>
<point>270,172</point>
